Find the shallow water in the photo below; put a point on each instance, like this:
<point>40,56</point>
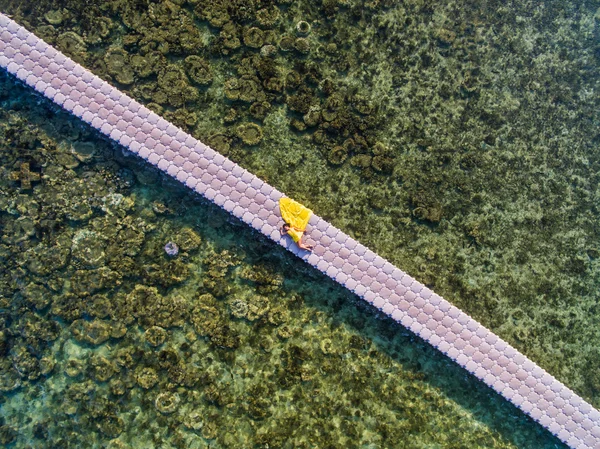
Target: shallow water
<point>458,143</point>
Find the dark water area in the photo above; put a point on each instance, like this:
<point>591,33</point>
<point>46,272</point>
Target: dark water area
<point>460,143</point>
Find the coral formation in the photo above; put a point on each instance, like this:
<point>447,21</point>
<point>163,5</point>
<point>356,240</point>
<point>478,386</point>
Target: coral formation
<point>167,403</point>
<point>193,420</point>
<point>198,69</point>
<point>239,308</point>
<point>93,332</point>
<point>72,44</point>
<point>153,309</point>
<point>101,369</point>
<point>302,45</point>
<point>303,28</point>
<point>171,249</point>
<point>155,336</point>
<point>73,367</point>
<point>118,64</point>
<point>464,156</point>
<point>250,133</point>
<point>253,37</point>
<point>146,377</point>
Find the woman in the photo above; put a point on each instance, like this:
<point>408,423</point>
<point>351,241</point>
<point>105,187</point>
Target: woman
<point>296,218</point>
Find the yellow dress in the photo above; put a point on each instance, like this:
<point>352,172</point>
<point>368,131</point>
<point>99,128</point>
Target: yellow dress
<point>295,215</point>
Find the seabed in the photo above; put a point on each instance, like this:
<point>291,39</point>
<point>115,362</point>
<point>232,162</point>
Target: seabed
<point>458,141</point>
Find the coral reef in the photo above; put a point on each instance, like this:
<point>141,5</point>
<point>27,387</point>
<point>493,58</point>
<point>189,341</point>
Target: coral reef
<point>458,142</point>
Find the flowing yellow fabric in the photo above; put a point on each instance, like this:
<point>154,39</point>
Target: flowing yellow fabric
<point>296,215</point>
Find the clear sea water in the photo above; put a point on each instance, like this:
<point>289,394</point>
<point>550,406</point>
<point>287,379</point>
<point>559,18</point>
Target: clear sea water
<point>458,141</point>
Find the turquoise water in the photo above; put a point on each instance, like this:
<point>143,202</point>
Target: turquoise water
<point>108,342</point>
<point>457,142</point>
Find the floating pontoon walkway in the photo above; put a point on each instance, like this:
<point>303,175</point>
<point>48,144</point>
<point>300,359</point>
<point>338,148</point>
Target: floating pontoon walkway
<point>349,263</point>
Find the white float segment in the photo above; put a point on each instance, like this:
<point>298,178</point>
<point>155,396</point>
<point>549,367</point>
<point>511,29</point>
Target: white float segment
<point>349,263</point>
